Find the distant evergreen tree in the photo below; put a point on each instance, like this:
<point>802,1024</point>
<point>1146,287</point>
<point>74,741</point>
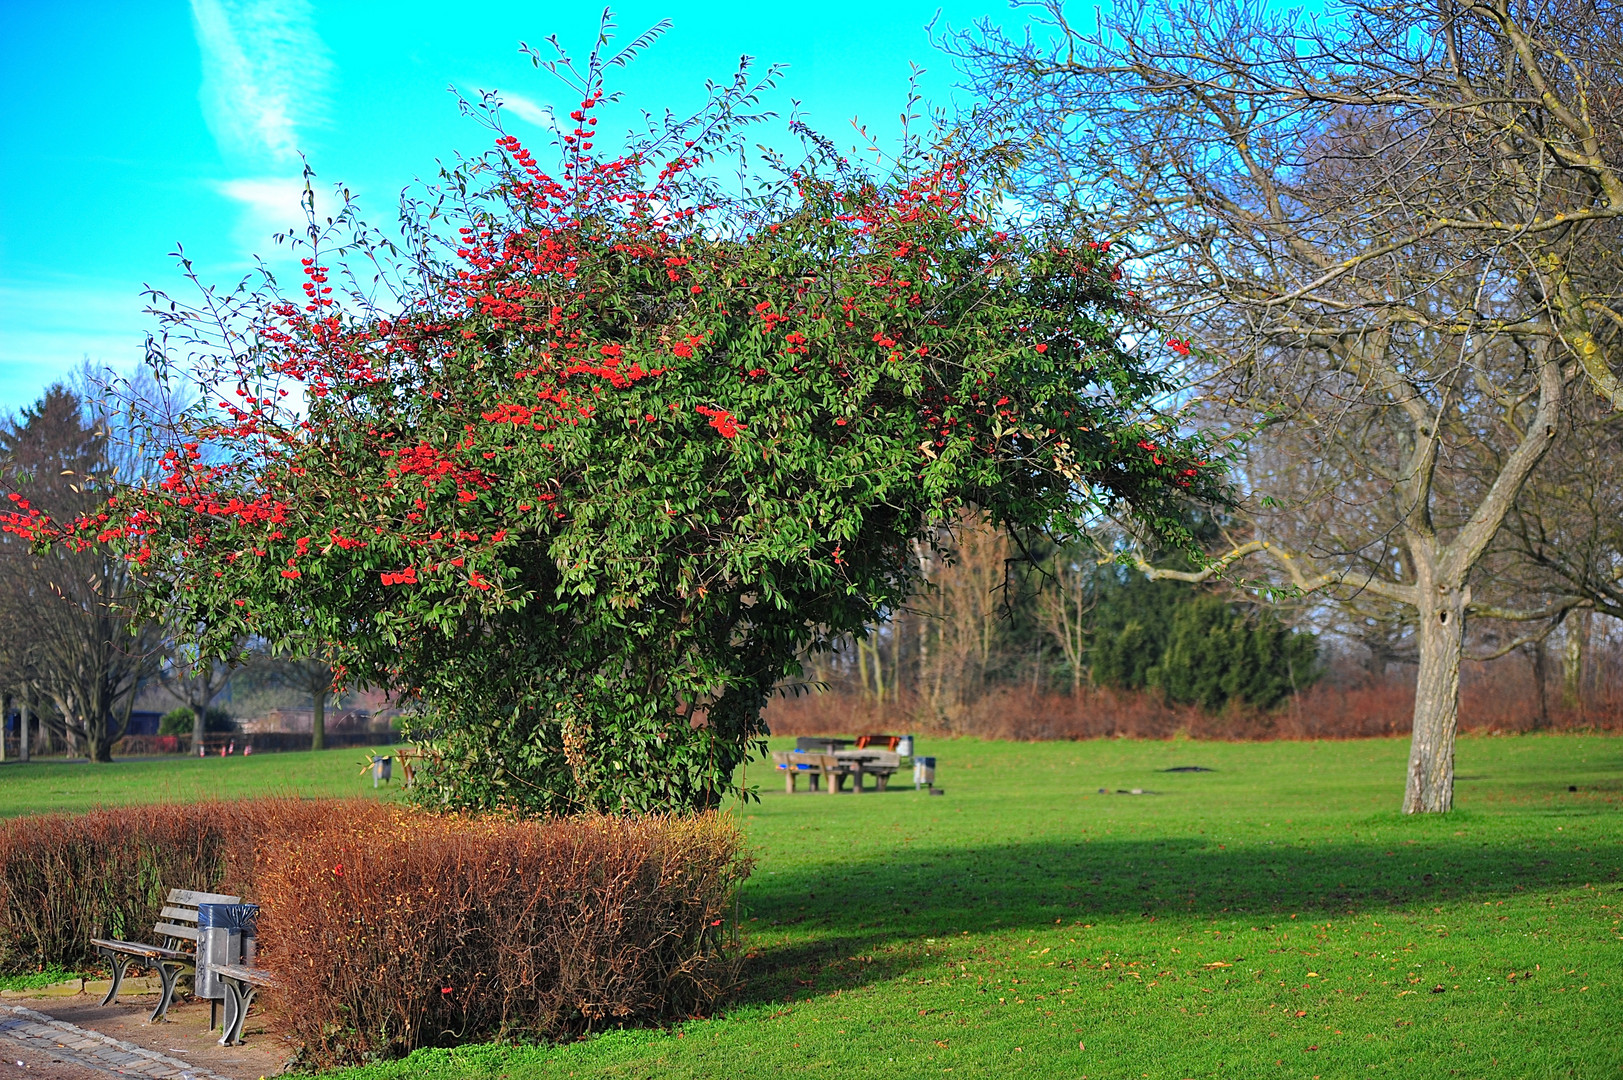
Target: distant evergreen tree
<point>1132,626</point>
<point>1217,652</point>
<point>1194,646</point>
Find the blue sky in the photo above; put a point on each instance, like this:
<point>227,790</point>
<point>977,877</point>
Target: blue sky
<point>130,128</point>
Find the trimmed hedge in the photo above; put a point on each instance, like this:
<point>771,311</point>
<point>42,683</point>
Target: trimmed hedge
<point>65,878</point>
<point>393,928</point>
<point>430,930</point>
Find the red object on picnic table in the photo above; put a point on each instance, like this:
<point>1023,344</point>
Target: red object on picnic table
<point>889,741</point>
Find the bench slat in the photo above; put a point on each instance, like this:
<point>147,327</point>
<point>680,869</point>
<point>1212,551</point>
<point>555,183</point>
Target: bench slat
<point>179,914</point>
<point>165,929</point>
<point>191,899</point>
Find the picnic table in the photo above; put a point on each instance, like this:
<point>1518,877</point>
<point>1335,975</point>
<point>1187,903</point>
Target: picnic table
<point>834,768</point>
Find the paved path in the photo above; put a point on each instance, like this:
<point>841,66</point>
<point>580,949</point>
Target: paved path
<point>79,1046</point>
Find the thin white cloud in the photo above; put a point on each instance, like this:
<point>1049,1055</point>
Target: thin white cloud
<point>269,204</point>
<point>531,112</point>
<point>265,72</point>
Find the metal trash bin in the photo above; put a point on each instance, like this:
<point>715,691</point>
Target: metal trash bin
<point>225,935</point>
<point>382,769</point>
<point>923,772</point>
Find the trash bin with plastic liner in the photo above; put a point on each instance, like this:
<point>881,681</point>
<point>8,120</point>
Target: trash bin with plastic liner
<point>382,769</point>
<point>225,935</point>
<point>904,746</point>
<point>923,772</point>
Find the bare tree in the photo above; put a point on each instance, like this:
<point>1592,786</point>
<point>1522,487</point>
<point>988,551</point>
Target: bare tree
<point>194,681</point>
<point>960,628</point>
<point>1062,608</point>
<point>1386,233</point>
<point>314,677</point>
<point>67,607</point>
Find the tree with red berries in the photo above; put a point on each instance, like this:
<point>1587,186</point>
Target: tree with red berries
<point>615,448</point>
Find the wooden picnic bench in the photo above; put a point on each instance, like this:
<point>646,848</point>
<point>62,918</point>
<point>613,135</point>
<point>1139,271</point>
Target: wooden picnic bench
<point>813,766</point>
<point>833,769</point>
<point>241,983</point>
<point>411,759</point>
<point>177,927</point>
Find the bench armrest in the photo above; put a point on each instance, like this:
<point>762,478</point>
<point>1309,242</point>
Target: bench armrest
<point>148,952</point>
<point>253,976</point>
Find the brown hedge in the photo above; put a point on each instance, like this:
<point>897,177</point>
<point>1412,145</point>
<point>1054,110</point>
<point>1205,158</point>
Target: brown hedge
<point>423,930</point>
<point>394,928</point>
<point>65,878</point>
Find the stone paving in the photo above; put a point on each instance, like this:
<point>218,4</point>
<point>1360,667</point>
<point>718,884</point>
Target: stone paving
<point>91,1049</point>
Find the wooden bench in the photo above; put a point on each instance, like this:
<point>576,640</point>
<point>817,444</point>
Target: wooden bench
<point>177,927</point>
<point>412,758</point>
<point>241,983</point>
<point>813,766</point>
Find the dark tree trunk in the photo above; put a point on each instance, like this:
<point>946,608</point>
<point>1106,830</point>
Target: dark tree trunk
<point>318,720</point>
<point>1541,683</point>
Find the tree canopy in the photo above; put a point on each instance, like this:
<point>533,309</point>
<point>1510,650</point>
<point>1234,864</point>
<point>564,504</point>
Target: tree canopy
<point>584,471</point>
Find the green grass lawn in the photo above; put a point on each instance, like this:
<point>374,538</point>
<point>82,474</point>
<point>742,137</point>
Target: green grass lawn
<point>55,784</point>
<point>1274,917</point>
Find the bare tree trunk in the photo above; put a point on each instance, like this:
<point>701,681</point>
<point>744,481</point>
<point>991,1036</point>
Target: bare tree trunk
<point>1441,637</point>
<point>1541,682</point>
<point>22,726</point>
<point>896,654</point>
<point>199,725</point>
<point>877,656</point>
<point>1574,655</point>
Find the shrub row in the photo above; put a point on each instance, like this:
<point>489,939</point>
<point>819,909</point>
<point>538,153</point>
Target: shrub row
<point>1495,703</point>
<point>393,928</point>
<point>423,930</point>
<point>65,878</point>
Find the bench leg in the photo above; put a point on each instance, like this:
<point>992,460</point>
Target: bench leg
<point>168,974</point>
<point>789,781</point>
<point>238,999</point>
<point>228,1017</point>
<point>879,781</point>
<point>831,782</point>
<point>856,781</point>
<point>119,962</point>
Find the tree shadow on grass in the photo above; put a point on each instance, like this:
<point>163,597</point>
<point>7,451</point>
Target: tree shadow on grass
<point>879,906</point>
